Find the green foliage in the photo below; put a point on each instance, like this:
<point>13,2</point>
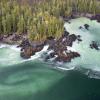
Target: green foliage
<point>41,19</point>
<point>44,25</point>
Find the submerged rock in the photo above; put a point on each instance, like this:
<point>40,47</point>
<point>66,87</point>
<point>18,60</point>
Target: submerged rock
<point>94,45</point>
<point>80,27</point>
<point>86,26</point>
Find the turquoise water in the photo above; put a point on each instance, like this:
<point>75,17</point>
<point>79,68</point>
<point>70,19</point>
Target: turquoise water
<point>35,79</point>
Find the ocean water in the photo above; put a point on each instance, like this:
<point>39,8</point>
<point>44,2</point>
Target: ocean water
<point>35,79</point>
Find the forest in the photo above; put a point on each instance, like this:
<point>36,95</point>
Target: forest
<point>39,19</point>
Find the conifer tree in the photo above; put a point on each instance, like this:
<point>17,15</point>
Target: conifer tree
<point>21,25</point>
<point>4,25</point>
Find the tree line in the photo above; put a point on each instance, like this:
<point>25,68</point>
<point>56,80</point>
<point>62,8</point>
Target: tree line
<point>41,19</point>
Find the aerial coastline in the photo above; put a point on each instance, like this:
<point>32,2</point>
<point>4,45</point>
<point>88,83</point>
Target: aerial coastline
<point>45,28</point>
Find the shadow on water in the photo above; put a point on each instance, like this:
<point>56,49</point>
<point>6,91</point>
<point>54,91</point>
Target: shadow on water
<point>74,86</point>
<point>26,68</point>
<point>7,71</point>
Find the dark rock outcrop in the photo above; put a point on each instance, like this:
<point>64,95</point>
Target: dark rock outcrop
<point>27,50</point>
<point>59,47</point>
<point>68,57</point>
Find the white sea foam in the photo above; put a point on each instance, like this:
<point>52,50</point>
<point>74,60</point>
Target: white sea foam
<point>13,47</point>
<point>38,54</point>
<point>89,57</point>
<point>66,69</point>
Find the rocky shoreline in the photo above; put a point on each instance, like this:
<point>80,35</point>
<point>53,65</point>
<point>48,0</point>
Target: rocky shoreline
<point>58,46</point>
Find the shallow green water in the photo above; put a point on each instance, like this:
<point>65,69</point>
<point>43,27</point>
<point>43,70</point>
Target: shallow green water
<point>25,81</point>
<point>35,79</point>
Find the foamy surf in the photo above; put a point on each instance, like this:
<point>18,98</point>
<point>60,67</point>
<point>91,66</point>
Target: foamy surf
<point>89,59</point>
<point>13,47</point>
<point>38,54</point>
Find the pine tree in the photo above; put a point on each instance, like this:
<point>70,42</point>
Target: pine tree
<point>4,25</point>
<point>21,25</point>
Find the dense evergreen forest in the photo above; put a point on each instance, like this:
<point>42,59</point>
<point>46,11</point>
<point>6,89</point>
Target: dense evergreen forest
<point>39,19</point>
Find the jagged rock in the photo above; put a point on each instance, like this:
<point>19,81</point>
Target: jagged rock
<point>27,52</point>
<point>68,57</point>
